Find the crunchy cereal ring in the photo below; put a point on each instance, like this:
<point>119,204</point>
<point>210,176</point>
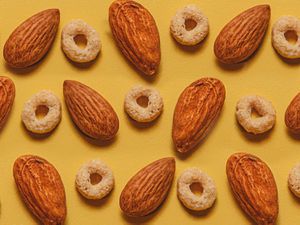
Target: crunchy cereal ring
<point>145,111</point>
<point>180,25</point>
<point>44,99</point>
<point>263,107</point>
<point>72,50</point>
<point>188,198</point>
<point>294,180</point>
<point>280,43</point>
<point>84,180</point>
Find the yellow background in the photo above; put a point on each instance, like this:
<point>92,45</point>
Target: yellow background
<point>265,74</point>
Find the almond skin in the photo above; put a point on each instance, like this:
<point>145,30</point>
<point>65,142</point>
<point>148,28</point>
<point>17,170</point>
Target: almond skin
<point>196,112</point>
<point>239,39</point>
<point>41,189</point>
<point>147,189</point>
<point>253,187</point>
<point>31,40</point>
<point>292,115</point>
<point>7,96</point>
<point>92,114</point>
<point>136,34</point>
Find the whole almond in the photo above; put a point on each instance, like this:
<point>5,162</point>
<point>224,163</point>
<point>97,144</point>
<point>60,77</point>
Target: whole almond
<point>92,114</point>
<point>7,96</point>
<point>147,189</point>
<point>292,115</point>
<point>239,39</point>
<point>31,40</point>
<point>254,187</point>
<point>196,112</point>
<point>41,189</point>
<point>136,34</point>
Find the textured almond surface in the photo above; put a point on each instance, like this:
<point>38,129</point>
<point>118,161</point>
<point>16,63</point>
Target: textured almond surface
<point>254,187</point>
<point>196,112</point>
<point>7,96</point>
<point>41,189</point>
<point>292,115</point>
<point>242,35</point>
<point>147,189</point>
<point>93,115</point>
<point>30,41</point>
<point>136,34</point>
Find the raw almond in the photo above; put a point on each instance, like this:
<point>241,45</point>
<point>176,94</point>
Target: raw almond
<point>7,96</point>
<point>254,187</point>
<point>92,114</point>
<point>41,189</point>
<point>196,112</point>
<point>136,34</point>
<point>147,189</point>
<point>292,115</point>
<point>239,39</point>
<point>30,41</point>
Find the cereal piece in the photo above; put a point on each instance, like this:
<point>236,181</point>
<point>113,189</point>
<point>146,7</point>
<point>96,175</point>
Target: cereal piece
<point>143,113</point>
<point>188,198</point>
<point>263,107</point>
<point>180,29</point>
<point>72,50</point>
<point>46,124</point>
<point>84,182</point>
<point>283,25</point>
<point>294,180</point>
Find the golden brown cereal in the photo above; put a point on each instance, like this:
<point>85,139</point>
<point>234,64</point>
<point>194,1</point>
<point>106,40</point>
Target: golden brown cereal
<point>294,180</point>
<point>283,25</point>
<point>72,50</point>
<point>263,107</point>
<point>193,35</point>
<point>145,113</point>
<point>188,198</point>
<point>46,124</point>
<point>84,181</point>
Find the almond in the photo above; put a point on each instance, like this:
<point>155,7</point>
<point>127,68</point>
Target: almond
<point>93,115</point>
<point>196,112</point>
<point>30,41</point>
<point>292,115</point>
<point>254,187</point>
<point>147,189</point>
<point>136,34</point>
<point>239,39</point>
<point>7,96</point>
<point>41,189</point>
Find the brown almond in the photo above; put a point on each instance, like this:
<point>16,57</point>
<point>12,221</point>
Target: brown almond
<point>147,189</point>
<point>196,112</point>
<point>292,115</point>
<point>253,187</point>
<point>7,96</point>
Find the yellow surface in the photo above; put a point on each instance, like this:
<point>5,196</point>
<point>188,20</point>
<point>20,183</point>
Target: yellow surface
<point>265,74</point>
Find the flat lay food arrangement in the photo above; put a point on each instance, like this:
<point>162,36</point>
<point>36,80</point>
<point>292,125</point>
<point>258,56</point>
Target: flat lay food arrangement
<point>146,112</point>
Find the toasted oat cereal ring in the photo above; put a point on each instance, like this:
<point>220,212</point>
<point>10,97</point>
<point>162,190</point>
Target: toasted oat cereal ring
<point>94,180</point>
<point>281,27</point>
<point>294,180</point>
<point>264,109</point>
<point>143,104</point>
<point>43,101</point>
<point>189,26</point>
<point>188,198</point>
<point>72,50</point>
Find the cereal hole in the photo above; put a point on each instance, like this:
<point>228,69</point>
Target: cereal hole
<point>95,178</point>
<point>190,24</point>
<point>254,113</point>
<point>41,111</point>
<point>143,101</point>
<point>196,188</point>
<point>80,41</point>
<point>291,36</point>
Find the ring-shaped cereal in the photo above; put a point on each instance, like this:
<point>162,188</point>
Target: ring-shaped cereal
<point>72,50</point>
<point>84,183</point>
<point>279,41</point>
<point>188,198</point>
<point>294,180</point>
<point>146,113</point>
<point>46,124</point>
<point>189,36</point>
<point>263,107</point>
